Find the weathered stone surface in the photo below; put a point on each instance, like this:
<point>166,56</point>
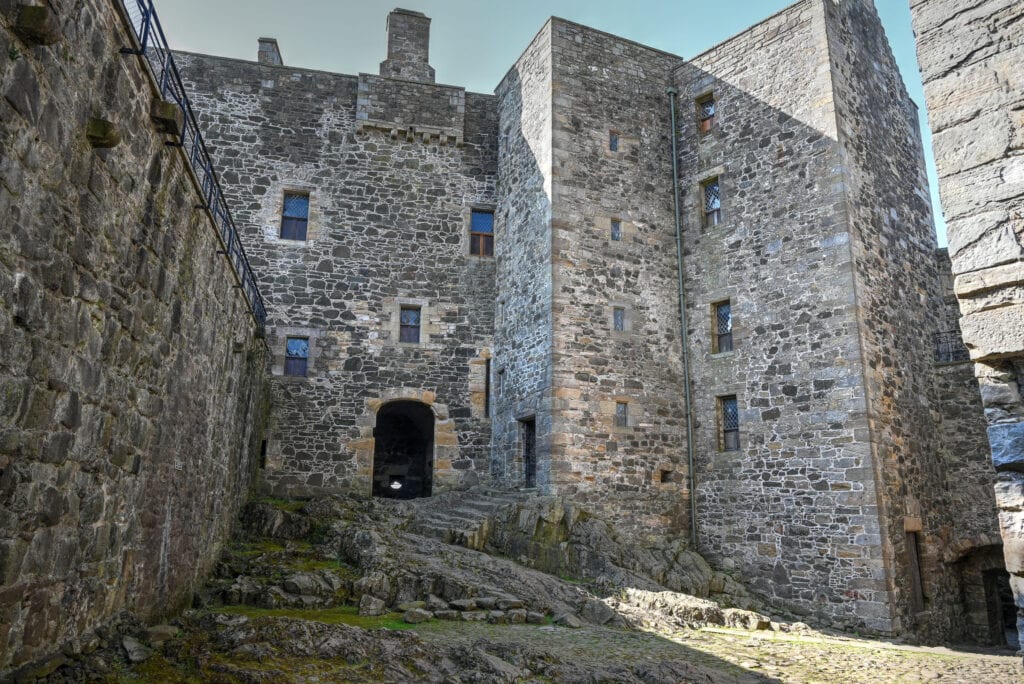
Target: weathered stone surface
<point>38,25</point>
<point>568,620</point>
<point>135,650</point>
<point>371,605</point>
<point>168,117</point>
<point>102,133</point>
<point>1007,441</point>
<point>417,615</point>
<point>994,333</point>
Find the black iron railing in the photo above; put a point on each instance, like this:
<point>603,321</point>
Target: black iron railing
<point>151,45</point>
<point>950,347</point>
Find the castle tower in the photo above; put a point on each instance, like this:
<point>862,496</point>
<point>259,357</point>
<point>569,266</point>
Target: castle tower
<point>408,47</point>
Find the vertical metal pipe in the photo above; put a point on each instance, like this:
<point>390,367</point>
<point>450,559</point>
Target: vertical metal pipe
<point>672,92</point>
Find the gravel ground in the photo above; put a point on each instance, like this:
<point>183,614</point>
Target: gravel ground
<point>738,656</point>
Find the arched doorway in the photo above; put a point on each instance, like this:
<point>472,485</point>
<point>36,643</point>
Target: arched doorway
<point>403,452</point>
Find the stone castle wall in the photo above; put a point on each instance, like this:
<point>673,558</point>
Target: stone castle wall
<point>392,169</point>
<point>970,61</point>
<point>131,379</point>
<point>794,511</point>
<point>631,467</point>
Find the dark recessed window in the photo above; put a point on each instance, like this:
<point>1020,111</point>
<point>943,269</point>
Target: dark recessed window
<point>501,382</point>
<point>721,338</point>
<point>481,233</point>
<point>296,356</point>
<point>706,113</point>
<point>294,216</point>
<point>409,324</point>
<point>613,141</point>
<point>616,230</point>
<point>712,202</point>
<point>728,423</point>
<point>618,318</point>
<point>621,414</point>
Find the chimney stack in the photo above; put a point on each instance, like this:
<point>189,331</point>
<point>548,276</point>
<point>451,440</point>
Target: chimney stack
<point>269,53</point>
<point>408,47</point>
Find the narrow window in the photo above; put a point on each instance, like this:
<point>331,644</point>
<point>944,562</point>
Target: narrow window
<point>721,339</point>
<point>501,382</point>
<point>728,424</point>
<point>294,216</point>
<point>481,233</point>
<point>616,230</point>
<point>619,318</point>
<point>706,113</point>
<point>529,436</point>
<point>914,570</point>
<point>409,324</point>
<point>487,388</point>
<point>712,202</point>
<point>613,141</point>
<point>621,414</point>
<point>296,356</point>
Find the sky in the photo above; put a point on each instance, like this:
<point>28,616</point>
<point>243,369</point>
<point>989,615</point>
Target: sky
<point>474,42</point>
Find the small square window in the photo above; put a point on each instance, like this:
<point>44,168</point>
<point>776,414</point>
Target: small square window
<point>294,216</point>
<point>296,356</point>
<point>409,325</point>
<point>621,414</point>
<point>721,323</point>
<point>712,196</point>
<point>616,230</point>
<point>618,318</point>
<point>728,423</point>
<point>481,233</point>
<point>706,113</point>
<point>613,141</point>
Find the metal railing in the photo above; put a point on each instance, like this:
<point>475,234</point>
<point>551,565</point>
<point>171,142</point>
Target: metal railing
<point>950,347</point>
<point>151,46</point>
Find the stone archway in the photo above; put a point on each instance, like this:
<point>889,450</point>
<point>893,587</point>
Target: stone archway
<point>403,453</point>
<point>445,442</point>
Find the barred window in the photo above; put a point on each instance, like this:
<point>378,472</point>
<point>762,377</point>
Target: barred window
<point>616,230</point>
<point>728,423</point>
<point>950,347</point>
<point>296,356</point>
<point>294,216</point>
<point>481,233</point>
<point>409,324</point>
<point>621,414</point>
<point>712,202</point>
<point>706,113</point>
<point>721,337</point>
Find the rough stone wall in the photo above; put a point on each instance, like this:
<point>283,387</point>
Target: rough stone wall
<point>131,390</point>
<point>970,59</point>
<point>522,336</point>
<point>635,473</point>
<point>388,225</point>
<point>794,510</point>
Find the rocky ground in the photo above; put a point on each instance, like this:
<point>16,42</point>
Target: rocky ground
<point>341,591</point>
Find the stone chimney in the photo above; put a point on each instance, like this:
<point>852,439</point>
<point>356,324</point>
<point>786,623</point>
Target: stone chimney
<point>269,53</point>
<point>408,47</point>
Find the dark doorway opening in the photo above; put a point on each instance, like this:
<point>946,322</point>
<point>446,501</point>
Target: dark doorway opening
<point>403,453</point>
<point>529,437</point>
<point>1002,612</point>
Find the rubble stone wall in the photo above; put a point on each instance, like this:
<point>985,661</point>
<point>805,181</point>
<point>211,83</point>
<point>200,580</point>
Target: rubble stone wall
<point>132,396</point>
<point>970,61</point>
<point>388,226</point>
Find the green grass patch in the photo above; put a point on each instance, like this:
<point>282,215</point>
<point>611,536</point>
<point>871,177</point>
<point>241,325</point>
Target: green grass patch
<point>289,505</point>
<point>342,615</point>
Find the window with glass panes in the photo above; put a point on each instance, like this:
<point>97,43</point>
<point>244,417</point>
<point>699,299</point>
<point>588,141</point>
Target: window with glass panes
<point>616,230</point>
<point>721,340</point>
<point>296,356</point>
<point>621,414</point>
<point>409,324</point>
<point>481,233</point>
<point>706,113</point>
<point>728,423</point>
<point>618,318</point>
<point>294,216</point>
<point>712,202</point>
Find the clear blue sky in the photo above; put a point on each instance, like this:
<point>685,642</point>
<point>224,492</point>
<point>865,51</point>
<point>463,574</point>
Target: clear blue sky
<point>474,42</point>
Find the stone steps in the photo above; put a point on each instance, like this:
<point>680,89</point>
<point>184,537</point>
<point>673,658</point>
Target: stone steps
<point>466,521</point>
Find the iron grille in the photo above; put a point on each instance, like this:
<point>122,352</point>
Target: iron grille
<point>730,414</point>
<point>950,347</point>
<point>621,414</point>
<point>296,206</point>
<point>724,315</point>
<point>707,109</point>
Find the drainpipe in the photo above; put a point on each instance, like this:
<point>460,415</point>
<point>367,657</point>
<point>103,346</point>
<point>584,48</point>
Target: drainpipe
<point>672,92</point>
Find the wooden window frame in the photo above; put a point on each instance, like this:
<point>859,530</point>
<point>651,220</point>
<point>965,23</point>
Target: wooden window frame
<point>706,123</point>
<point>711,217</point>
<point>721,343</point>
<point>481,243</point>
<point>728,440</point>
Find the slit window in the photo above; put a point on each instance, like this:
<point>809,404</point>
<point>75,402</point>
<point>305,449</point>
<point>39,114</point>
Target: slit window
<point>728,424</point>
<point>481,233</point>
<point>618,319</point>
<point>706,113</point>
<point>501,382</point>
<point>296,356</point>
<point>613,141</point>
<point>712,196</point>
<point>409,325</point>
<point>621,414</point>
<point>721,338</point>
<point>616,230</point>
<point>294,216</point>
<point>487,388</point>
<point>914,571</point>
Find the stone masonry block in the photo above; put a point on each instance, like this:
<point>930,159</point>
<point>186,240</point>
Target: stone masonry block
<point>37,25</point>
<point>1010,491</point>
<point>168,117</point>
<point>1007,441</point>
<point>995,332</point>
